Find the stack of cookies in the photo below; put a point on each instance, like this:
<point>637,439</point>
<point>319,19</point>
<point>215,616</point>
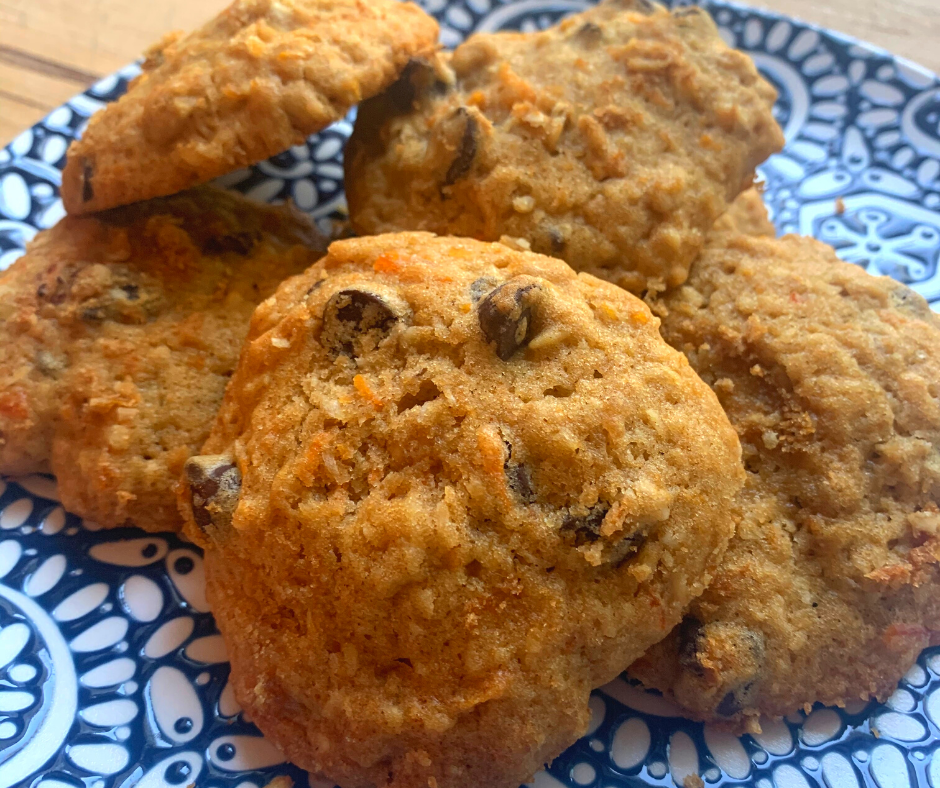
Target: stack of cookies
<point>563,406</point>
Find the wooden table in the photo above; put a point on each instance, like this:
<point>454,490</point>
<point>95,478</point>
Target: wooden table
<point>52,49</point>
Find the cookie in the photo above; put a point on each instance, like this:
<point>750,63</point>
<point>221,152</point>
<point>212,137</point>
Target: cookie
<point>118,335</point>
<point>613,140</point>
<point>452,487</point>
<point>747,215</point>
<point>256,79</point>
<point>831,378</point>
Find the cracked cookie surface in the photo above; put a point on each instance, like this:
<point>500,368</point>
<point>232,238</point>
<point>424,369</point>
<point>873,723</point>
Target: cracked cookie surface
<point>471,486</point>
<point>613,140</point>
<point>828,591</point>
<point>261,76</point>
<point>119,333</point>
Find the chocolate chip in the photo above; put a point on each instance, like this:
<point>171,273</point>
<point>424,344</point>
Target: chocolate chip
<point>589,34</point>
<point>626,548</point>
<point>214,484</point>
<point>481,287</point>
<point>690,631</point>
<point>518,477</point>
<point>355,321</point>
<point>417,77</point>
<point>237,243</point>
<point>587,527</point>
<point>508,316</point>
<point>88,193</point>
<point>729,706</point>
<point>315,286</point>
<point>466,151</point>
<point>59,292</point>
<point>746,643</point>
<point>118,304</point>
<point>557,240</point>
<point>401,94</point>
<point>520,482</point>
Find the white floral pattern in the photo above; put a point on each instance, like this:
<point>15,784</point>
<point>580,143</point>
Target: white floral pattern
<point>111,669</point>
<point>112,673</point>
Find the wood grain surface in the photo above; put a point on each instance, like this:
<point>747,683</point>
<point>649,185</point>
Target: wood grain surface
<point>52,49</point>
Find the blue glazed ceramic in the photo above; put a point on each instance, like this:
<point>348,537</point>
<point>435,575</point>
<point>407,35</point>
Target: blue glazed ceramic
<point>112,673</point>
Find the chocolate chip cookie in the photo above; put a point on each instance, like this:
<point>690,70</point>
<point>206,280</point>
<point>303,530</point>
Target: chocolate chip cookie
<point>118,335</point>
<point>256,79</point>
<point>831,377</point>
<point>452,487</point>
<point>613,140</point>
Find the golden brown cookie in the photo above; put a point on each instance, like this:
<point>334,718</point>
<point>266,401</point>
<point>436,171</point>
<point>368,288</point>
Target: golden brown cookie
<point>747,215</point>
<point>831,378</point>
<point>118,335</point>
<point>260,77</point>
<point>613,140</point>
<point>452,487</point>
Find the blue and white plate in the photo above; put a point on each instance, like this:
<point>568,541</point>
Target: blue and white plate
<point>112,673</point>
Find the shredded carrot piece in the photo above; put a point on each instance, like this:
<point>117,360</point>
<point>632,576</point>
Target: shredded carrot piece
<point>386,264</point>
<point>362,387</point>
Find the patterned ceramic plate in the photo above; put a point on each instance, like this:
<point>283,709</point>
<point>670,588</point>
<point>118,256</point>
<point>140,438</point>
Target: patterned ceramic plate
<point>112,674</point>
